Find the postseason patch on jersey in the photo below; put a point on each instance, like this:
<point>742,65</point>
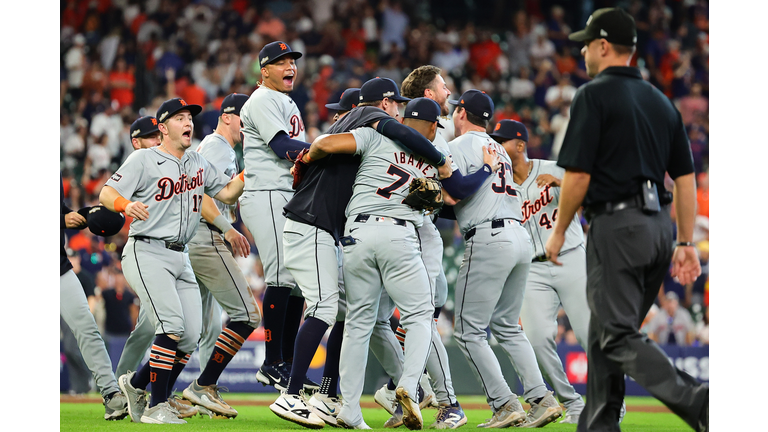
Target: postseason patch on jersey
<point>116,177</point>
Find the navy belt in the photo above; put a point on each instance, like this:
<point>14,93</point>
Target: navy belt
<point>496,223</point>
<point>365,217</point>
<point>178,247</point>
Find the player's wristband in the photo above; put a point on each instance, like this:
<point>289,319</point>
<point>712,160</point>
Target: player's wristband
<point>487,168</point>
<point>120,204</point>
<point>241,176</point>
<point>222,223</point>
<point>683,244</point>
<point>442,160</point>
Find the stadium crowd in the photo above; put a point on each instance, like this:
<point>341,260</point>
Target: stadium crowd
<point>121,58</point>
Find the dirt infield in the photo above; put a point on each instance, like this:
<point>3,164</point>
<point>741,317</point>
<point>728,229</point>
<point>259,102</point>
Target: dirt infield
<point>636,408</point>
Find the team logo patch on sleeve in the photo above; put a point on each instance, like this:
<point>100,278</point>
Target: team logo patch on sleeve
<point>116,177</point>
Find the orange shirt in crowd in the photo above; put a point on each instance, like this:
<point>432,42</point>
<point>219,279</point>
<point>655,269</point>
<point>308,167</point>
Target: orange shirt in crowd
<point>121,93</point>
<point>702,199</point>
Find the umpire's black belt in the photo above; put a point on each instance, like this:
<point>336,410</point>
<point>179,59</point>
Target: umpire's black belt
<point>365,217</point>
<point>178,247</point>
<point>496,223</point>
<point>611,207</point>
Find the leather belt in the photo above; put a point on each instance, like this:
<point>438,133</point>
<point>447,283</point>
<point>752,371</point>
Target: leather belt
<point>178,247</point>
<point>365,218</point>
<point>610,207</point>
<point>213,228</point>
<point>496,223</point>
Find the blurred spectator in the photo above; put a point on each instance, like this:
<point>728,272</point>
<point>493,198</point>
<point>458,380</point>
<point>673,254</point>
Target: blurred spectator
<point>673,324</point>
<point>702,194</point>
<point>542,48</point>
<point>121,310</point>
<point>95,78</point>
<point>693,103</point>
<point>484,54</point>
<point>561,93</point>
<point>75,62</point>
<point>557,29</point>
<point>105,130</point>
<point>558,125</point>
<point>519,42</point>
<point>702,329</point>
<point>521,88</point>
<point>270,26</point>
<point>121,83</point>
<point>394,23</point>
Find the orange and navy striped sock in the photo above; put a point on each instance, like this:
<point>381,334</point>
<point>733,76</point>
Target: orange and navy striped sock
<point>400,334</point>
<point>227,345</point>
<point>161,358</point>
<point>179,363</point>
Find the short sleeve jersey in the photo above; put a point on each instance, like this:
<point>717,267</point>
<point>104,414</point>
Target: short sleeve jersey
<point>384,176</point>
<point>623,131</point>
<point>266,113</point>
<point>539,208</point>
<point>497,197</point>
<point>171,188</point>
<point>216,150</point>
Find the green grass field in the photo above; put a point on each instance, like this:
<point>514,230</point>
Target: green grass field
<point>82,417</point>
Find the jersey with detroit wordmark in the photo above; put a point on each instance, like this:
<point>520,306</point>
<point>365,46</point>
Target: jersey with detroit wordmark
<point>216,150</point>
<point>171,188</point>
<point>497,197</point>
<point>266,113</point>
<point>539,208</point>
<point>384,177</point>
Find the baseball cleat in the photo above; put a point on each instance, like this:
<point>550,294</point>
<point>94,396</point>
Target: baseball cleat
<point>396,420</point>
<point>309,385</point>
<point>411,412</point>
<point>344,425</point>
<point>137,398</point>
<point>429,400</point>
<point>622,412</point>
<point>270,375</point>
<point>161,413</point>
<point>293,408</point>
<point>573,410</point>
<point>510,414</point>
<point>386,399</point>
<point>449,417</point>
<point>209,397</point>
<point>185,410</point>
<point>115,407</point>
<point>543,413</point>
<point>327,408</point>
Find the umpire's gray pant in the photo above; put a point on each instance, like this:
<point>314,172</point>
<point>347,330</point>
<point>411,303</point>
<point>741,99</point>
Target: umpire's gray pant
<point>74,309</point>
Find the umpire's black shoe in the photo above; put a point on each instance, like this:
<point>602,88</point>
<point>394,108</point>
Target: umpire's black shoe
<point>273,375</point>
<point>309,385</point>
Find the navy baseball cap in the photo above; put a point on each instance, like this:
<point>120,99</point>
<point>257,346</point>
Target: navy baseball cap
<point>102,221</point>
<point>377,89</point>
<point>506,130</point>
<point>423,109</point>
<point>476,102</point>
<point>612,24</point>
<point>274,50</point>
<point>144,126</point>
<point>172,106</point>
<point>348,100</point>
<point>233,103</point>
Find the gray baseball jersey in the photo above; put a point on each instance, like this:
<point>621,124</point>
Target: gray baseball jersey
<point>497,197</point>
<point>171,188</point>
<point>492,276</point>
<point>216,150</point>
<point>266,113</point>
<point>379,249</point>
<point>539,209</point>
<point>549,285</point>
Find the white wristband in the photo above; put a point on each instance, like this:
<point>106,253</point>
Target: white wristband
<point>222,223</point>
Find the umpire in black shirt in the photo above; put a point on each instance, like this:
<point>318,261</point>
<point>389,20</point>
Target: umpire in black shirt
<point>624,134</point>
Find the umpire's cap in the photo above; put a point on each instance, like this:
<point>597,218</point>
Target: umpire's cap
<point>274,50</point>
<point>101,221</point>
<point>612,24</point>
<point>172,106</point>
<point>377,89</point>
<point>476,102</point>
<point>144,126</point>
<point>423,109</point>
<point>506,130</point>
<point>348,100</point>
<point>233,103</point>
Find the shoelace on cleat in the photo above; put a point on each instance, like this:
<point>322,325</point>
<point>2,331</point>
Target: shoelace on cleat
<point>216,389</point>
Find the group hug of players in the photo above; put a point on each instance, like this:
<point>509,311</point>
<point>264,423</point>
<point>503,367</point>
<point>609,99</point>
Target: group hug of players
<point>341,250</point>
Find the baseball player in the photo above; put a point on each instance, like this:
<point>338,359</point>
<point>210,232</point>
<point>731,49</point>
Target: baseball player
<point>347,101</point>
<point>144,133</point>
<point>273,134</point>
<point>381,247</point>
<point>493,273</point>
<point>165,187</point>
<point>538,186</point>
<point>77,315</point>
<point>315,219</point>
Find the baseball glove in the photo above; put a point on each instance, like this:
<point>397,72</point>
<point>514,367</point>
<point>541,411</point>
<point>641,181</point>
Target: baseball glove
<point>299,168</point>
<point>425,194</point>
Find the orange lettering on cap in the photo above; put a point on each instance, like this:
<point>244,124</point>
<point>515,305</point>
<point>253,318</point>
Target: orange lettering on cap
<point>462,101</point>
<point>283,47</point>
<point>183,102</point>
<point>519,134</point>
<point>498,126</point>
<point>154,121</point>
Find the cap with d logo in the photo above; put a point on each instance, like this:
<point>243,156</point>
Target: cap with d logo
<point>274,50</point>
<point>172,106</point>
<point>506,130</point>
<point>348,100</point>
<point>144,126</point>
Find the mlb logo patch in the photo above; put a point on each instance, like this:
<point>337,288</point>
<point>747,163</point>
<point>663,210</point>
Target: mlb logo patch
<point>116,177</point>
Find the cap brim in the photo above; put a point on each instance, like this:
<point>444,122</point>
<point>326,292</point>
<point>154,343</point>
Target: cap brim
<point>142,135</point>
<point>580,36</point>
<point>84,213</point>
<point>454,102</point>
<point>439,125</point>
<point>335,107</point>
<point>400,99</point>
<point>193,109</point>
<point>498,138</point>
<point>294,54</point>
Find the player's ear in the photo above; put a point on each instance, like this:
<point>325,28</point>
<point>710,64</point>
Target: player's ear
<point>135,143</point>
